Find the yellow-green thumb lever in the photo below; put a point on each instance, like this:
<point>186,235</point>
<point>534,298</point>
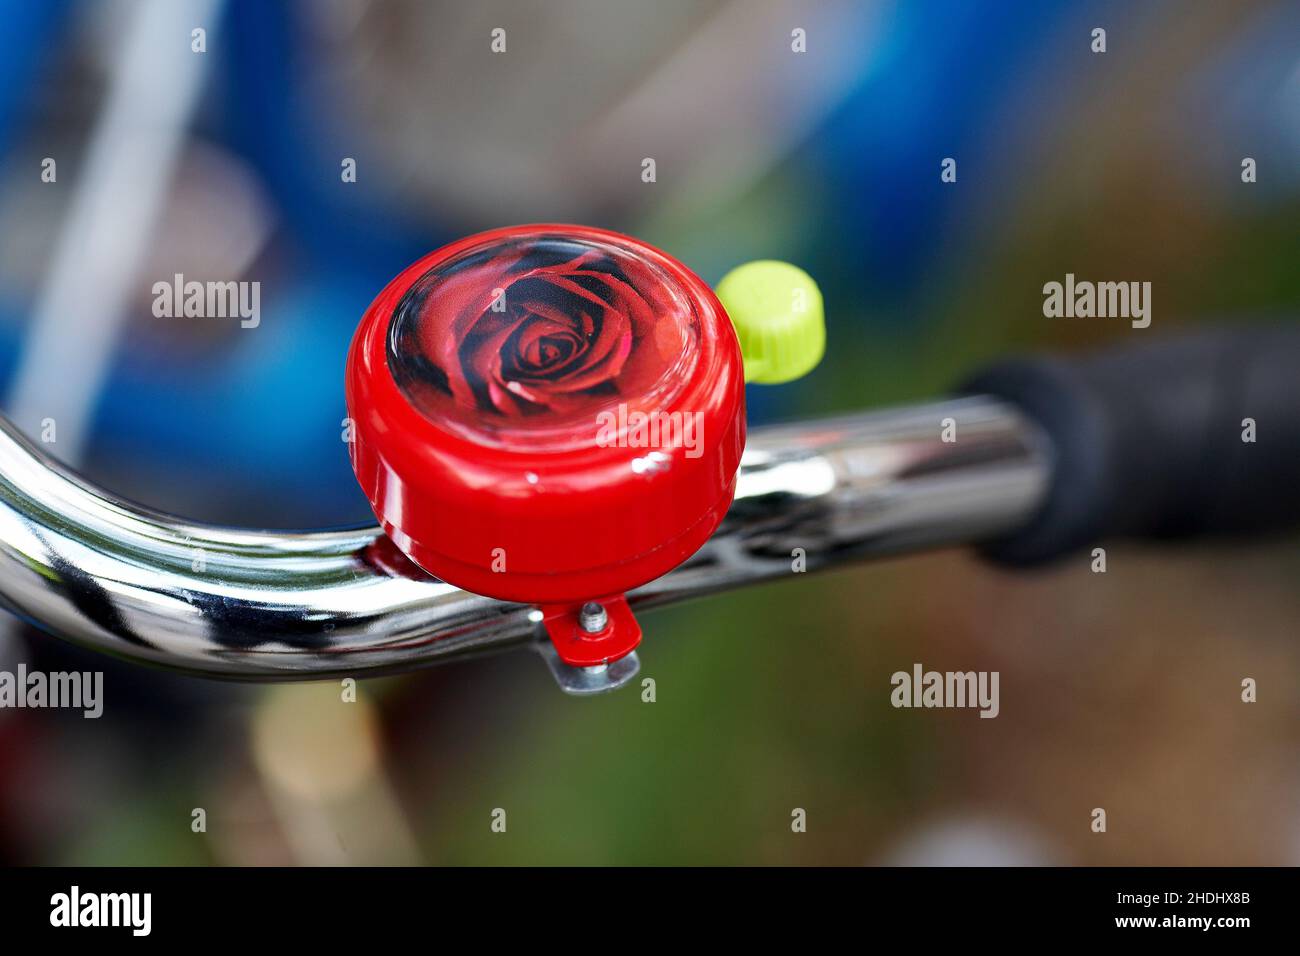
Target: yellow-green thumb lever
<point>779,318</point>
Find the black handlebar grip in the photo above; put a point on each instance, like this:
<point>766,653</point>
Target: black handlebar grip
<point>1151,441</point>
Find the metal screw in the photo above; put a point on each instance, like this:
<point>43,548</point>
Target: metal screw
<point>592,618</point>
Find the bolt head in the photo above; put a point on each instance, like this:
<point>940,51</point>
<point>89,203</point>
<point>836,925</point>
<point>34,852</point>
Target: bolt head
<point>593,618</point>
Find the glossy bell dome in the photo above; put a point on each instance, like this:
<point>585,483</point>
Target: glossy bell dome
<point>547,414</point>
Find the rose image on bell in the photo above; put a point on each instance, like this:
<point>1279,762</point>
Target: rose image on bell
<point>535,332</point>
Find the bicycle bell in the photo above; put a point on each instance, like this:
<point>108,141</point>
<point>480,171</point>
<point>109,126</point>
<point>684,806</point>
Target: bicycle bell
<point>555,415</point>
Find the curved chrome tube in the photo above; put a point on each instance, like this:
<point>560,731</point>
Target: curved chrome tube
<point>222,602</point>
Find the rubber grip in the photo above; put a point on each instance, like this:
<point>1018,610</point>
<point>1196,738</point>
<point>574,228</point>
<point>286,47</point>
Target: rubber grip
<point>1147,440</point>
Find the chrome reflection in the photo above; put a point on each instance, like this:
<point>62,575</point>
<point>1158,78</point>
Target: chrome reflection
<point>88,567</point>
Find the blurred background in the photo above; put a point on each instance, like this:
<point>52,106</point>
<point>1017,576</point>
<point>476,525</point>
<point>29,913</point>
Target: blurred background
<point>1119,691</point>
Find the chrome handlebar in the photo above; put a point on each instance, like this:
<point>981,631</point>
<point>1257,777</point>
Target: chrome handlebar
<point>275,605</point>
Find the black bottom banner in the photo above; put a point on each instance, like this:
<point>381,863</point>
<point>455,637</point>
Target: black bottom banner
<point>305,906</point>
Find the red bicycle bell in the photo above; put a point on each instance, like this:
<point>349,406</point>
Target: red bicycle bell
<point>549,414</point>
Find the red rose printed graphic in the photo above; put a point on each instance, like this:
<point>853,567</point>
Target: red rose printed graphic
<point>538,333</point>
